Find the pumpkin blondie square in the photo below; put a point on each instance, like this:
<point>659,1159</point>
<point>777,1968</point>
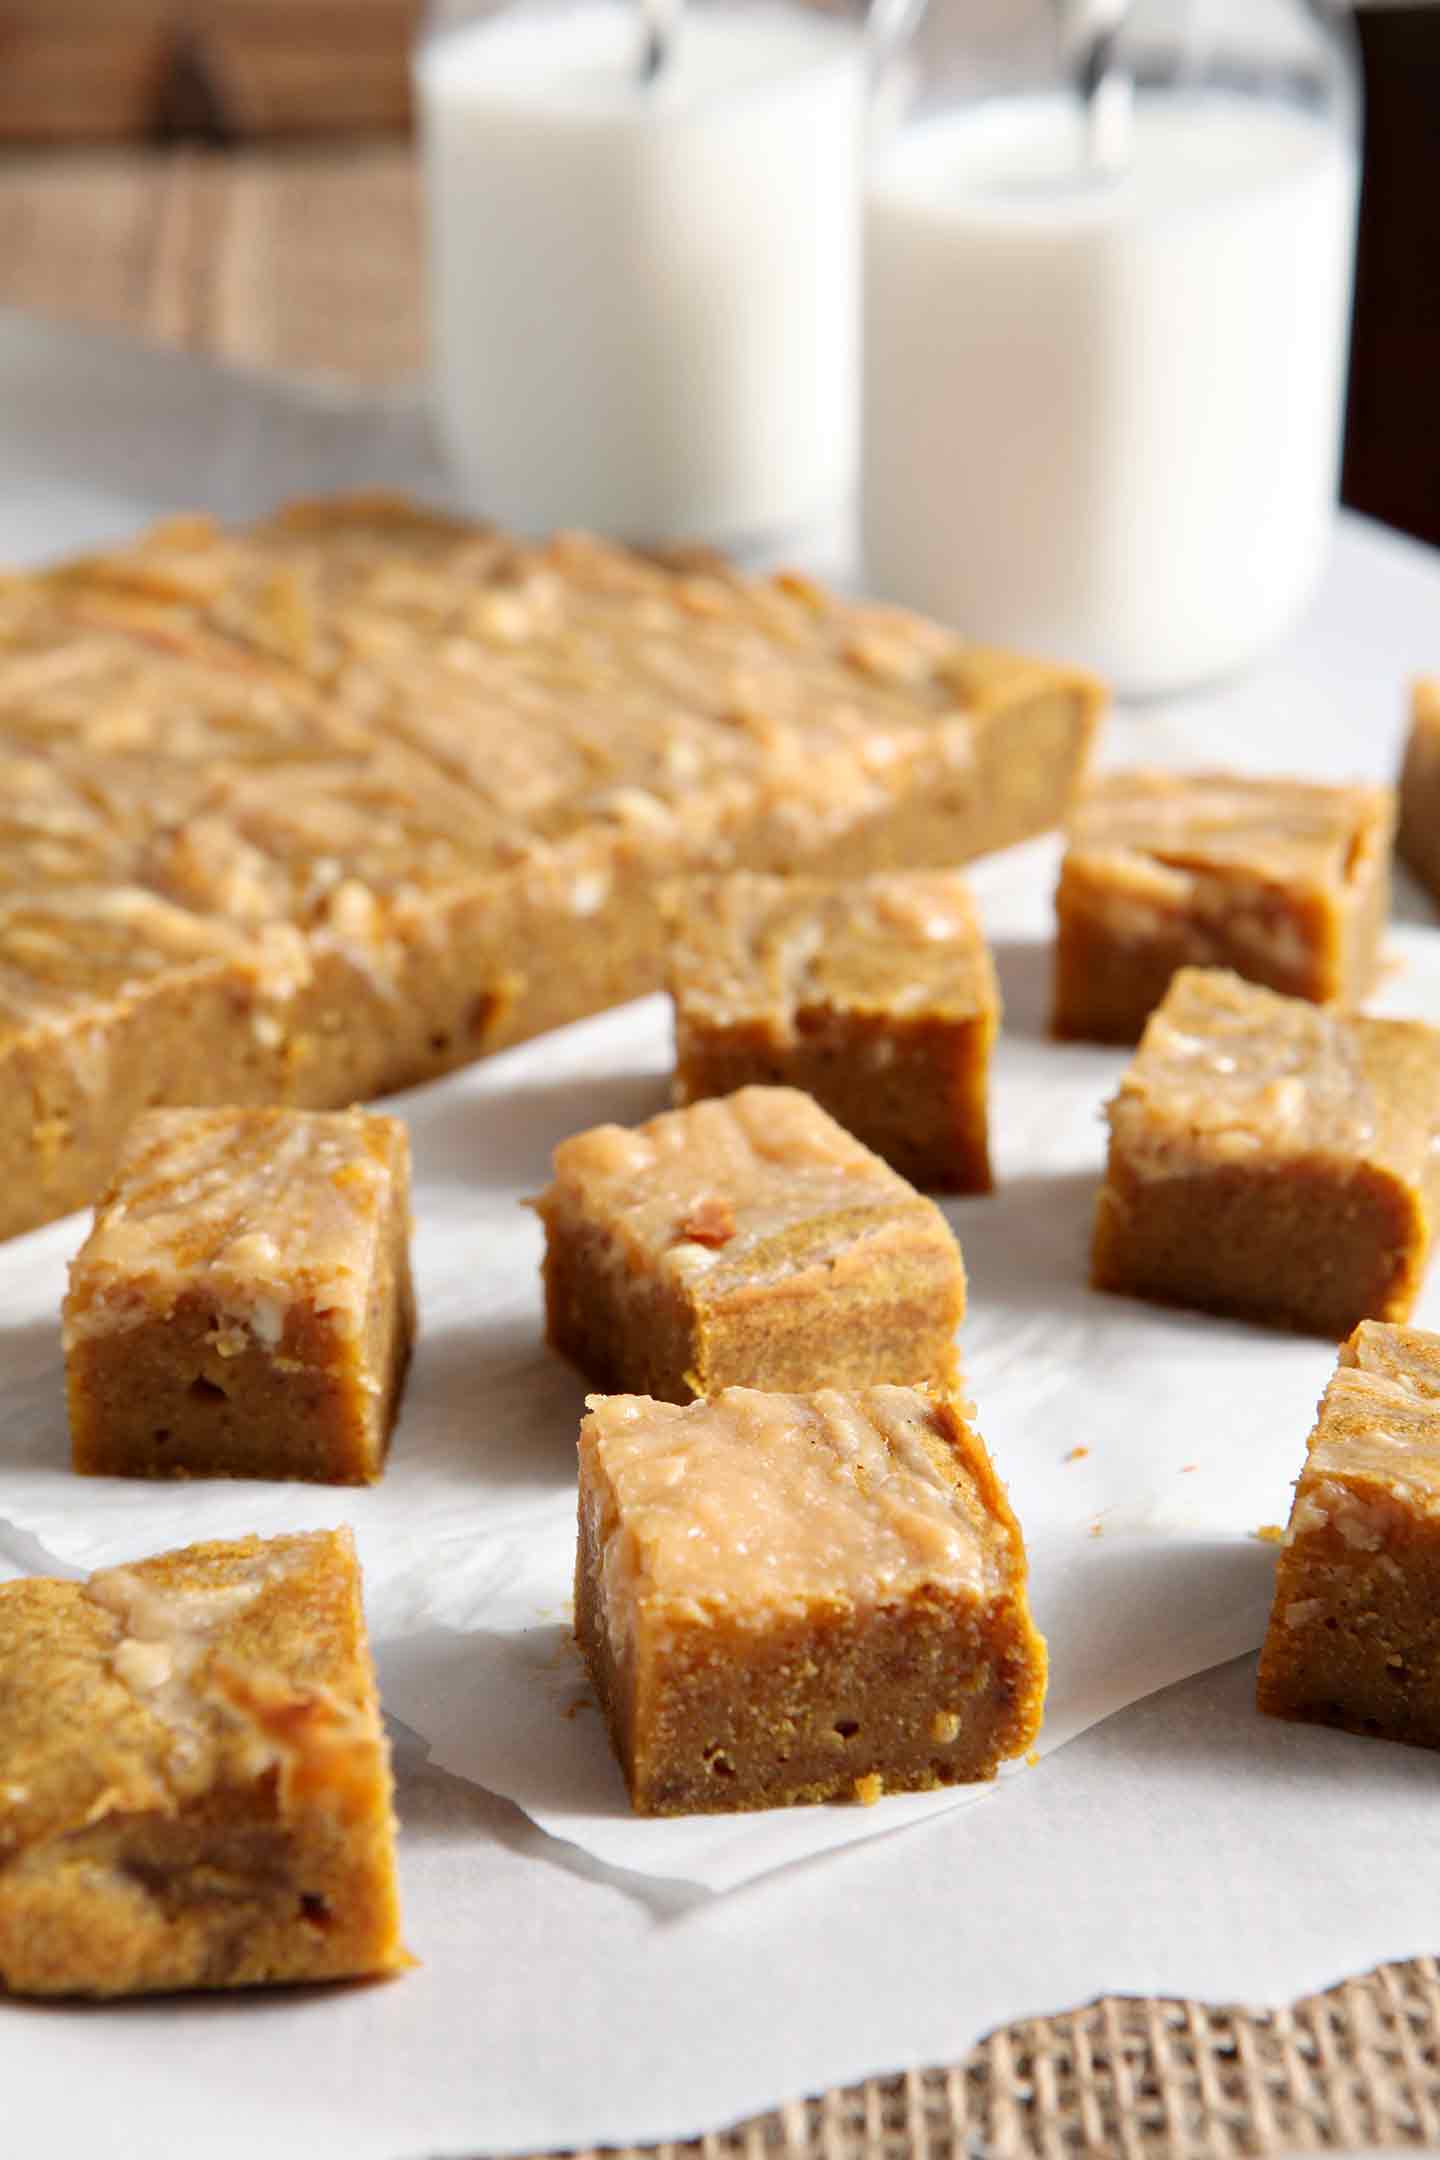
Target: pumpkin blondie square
<point>1286,882</point>
<point>1354,1635</point>
<point>243,1305</point>
<point>1419,840</point>
<point>875,995</point>
<point>1272,1159</point>
<point>747,1241</point>
<point>788,1598</point>
<point>194,1780</point>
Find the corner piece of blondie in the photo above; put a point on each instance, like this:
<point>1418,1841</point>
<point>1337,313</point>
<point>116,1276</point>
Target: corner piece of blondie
<point>748,1241</point>
<point>875,995</point>
<point>787,1598</point>
<point>1272,1159</point>
<point>1354,1635</point>
<point>194,1780</point>
<point>243,1304</point>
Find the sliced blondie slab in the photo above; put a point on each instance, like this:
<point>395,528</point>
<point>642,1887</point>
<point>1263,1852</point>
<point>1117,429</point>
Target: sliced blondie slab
<point>550,677</point>
<point>784,1598</point>
<point>1272,1159</point>
<point>745,1242</point>
<point>194,1780</point>
<point>457,768</point>
<point>243,1305</point>
<point>1284,881</point>
<point>1354,1636</point>
<point>877,996</point>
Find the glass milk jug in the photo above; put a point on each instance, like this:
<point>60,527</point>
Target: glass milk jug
<point>644,228</point>
<point>1108,269</point>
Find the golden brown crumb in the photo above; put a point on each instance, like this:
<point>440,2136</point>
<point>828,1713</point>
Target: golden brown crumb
<point>1076,1454</point>
<point>1270,1533</point>
<point>1031,1759</point>
<point>868,1789</point>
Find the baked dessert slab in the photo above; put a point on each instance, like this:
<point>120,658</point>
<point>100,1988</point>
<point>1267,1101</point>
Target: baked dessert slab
<point>747,1241</point>
<point>877,996</point>
<point>615,719</point>
<point>194,1780</point>
<point>545,677</point>
<point>1284,881</point>
<point>1419,836</point>
<point>1354,1635</point>
<point>243,1305</point>
<point>787,1598</point>
<point>57,829</point>
<point>1272,1159</point>
<point>454,770</point>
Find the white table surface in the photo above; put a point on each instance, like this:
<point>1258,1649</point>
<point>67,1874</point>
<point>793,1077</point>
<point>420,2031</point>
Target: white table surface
<point>584,2003</point>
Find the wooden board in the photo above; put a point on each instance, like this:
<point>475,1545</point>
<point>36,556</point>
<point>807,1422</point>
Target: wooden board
<point>297,259</point>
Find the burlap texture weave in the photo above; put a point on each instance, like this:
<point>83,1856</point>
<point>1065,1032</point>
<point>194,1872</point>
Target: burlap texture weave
<point>1357,2068</point>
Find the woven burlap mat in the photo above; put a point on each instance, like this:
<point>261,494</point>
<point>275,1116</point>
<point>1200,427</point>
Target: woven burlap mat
<point>251,258</point>
<point>1354,2069</point>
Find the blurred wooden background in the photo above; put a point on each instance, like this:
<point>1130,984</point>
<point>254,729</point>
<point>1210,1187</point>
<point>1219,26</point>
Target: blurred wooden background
<point>306,257</point>
<point>228,70</point>
<point>235,176</point>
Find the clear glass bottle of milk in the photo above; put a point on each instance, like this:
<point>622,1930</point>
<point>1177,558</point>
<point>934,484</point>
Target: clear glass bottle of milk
<point>1106,339</point>
<point>645,277</point>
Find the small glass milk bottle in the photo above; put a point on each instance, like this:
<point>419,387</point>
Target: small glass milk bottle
<point>1108,275</point>
<point>644,254</point>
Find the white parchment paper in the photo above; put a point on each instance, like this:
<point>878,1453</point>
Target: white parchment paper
<point>588,1977</point>
<point>1143,1448</point>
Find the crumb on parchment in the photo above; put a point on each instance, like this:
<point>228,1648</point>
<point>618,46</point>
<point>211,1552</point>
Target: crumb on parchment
<point>868,1789</point>
<point>1076,1454</point>
<point>1270,1533</point>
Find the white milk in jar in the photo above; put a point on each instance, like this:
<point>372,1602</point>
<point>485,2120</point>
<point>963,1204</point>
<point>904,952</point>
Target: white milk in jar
<point>645,297</point>
<point>1102,415</point>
